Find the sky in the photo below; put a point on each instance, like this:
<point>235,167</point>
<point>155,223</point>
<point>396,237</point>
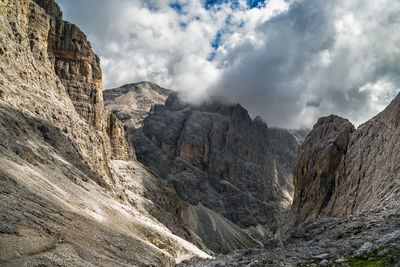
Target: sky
<point>289,61</point>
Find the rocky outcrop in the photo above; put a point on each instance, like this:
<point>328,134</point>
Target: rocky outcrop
<point>131,103</point>
<point>219,160</point>
<point>70,191</point>
<point>78,68</point>
<point>342,171</point>
<point>315,170</point>
<point>76,65</point>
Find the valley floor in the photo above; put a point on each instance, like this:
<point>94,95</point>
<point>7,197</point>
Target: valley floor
<point>371,238</point>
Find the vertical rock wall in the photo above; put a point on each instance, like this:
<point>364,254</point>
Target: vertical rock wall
<point>342,170</point>
<point>78,68</point>
<point>66,180</point>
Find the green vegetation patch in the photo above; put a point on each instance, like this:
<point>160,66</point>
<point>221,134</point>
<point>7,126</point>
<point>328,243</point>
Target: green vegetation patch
<point>384,256</point>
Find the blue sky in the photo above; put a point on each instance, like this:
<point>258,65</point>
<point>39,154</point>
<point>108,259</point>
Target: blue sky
<point>289,61</point>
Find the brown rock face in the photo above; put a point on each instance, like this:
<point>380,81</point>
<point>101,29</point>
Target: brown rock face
<point>315,170</point>
<point>342,171</point>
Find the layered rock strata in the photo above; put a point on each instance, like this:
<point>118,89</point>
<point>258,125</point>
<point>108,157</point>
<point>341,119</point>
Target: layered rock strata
<point>71,192</point>
<point>78,68</point>
<point>232,172</point>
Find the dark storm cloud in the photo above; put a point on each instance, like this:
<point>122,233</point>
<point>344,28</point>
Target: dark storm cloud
<point>320,57</point>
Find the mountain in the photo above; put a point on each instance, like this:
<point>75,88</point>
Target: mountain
<point>71,190</point>
<point>131,103</point>
<point>346,208</point>
<point>78,187</point>
<point>232,173</point>
<point>342,170</point>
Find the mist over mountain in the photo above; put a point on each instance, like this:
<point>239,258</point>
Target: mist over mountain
<point>289,62</point>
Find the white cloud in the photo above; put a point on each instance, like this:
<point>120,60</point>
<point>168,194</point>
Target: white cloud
<point>289,62</point>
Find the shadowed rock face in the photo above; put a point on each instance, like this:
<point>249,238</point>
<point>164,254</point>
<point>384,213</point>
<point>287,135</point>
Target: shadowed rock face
<point>71,192</point>
<point>217,157</point>
<point>342,171</point>
<point>314,173</point>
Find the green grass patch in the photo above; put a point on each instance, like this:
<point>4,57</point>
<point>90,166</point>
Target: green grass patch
<point>390,258</point>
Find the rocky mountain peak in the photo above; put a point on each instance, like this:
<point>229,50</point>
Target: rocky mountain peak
<point>342,170</point>
<point>391,115</point>
<point>226,167</point>
<point>50,7</point>
<point>215,105</point>
<point>258,120</point>
<point>314,172</point>
<point>131,103</point>
<point>77,66</point>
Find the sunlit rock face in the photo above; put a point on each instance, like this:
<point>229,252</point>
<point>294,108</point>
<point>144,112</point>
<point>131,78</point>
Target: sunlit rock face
<point>314,174</point>
<point>131,103</point>
<point>221,163</point>
<point>71,192</point>
<point>78,68</point>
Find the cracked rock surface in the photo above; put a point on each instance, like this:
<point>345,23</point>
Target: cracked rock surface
<point>342,170</point>
<point>71,191</point>
<point>233,173</point>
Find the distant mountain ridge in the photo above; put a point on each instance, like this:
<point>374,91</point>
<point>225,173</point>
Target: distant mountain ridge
<point>131,103</point>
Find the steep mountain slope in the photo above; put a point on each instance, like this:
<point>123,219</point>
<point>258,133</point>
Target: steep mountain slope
<point>71,192</point>
<point>131,103</point>
<point>232,173</point>
<point>342,171</point>
<point>346,209</point>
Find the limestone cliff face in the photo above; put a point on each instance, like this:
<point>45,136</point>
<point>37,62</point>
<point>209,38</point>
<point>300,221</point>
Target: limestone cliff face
<point>78,68</point>
<point>342,171</point>
<point>222,163</point>
<point>70,191</point>
<point>76,65</point>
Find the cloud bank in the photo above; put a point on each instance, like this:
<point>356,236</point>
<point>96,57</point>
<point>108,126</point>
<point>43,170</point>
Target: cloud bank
<point>287,61</point>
